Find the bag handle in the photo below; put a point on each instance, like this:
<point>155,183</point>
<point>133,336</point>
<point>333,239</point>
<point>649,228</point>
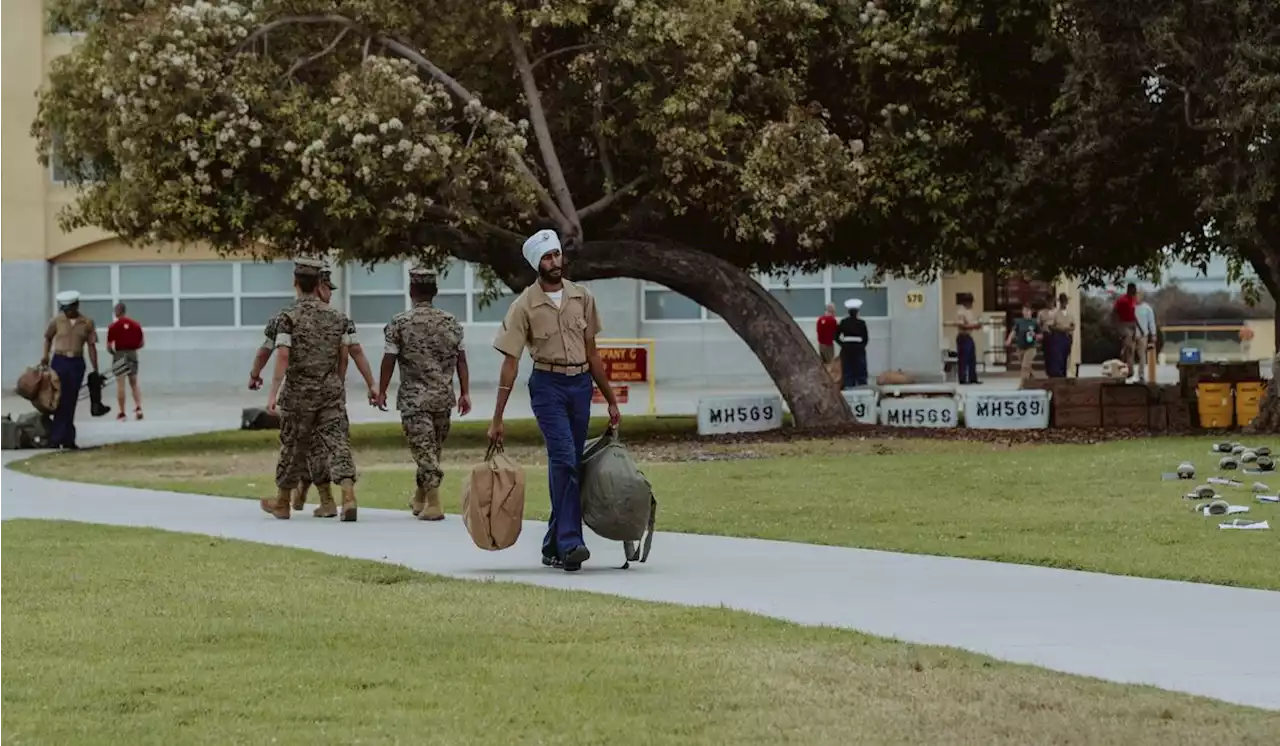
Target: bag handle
<point>495,447</point>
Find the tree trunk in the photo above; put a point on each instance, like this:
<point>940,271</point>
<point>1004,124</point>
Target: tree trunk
<point>751,311</point>
<point>1267,265</point>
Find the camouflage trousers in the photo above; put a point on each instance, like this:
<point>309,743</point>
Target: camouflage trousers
<point>318,456</point>
<point>312,439</point>
<point>426,433</point>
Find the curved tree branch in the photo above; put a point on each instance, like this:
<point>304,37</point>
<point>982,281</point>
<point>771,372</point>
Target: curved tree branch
<point>538,117</point>
<point>304,61</point>
<point>449,82</point>
<point>563,50</point>
<point>609,199</point>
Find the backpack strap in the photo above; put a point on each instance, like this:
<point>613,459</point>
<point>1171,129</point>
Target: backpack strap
<point>648,539</point>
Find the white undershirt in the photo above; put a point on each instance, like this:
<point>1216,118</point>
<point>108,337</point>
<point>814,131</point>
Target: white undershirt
<point>556,296</point>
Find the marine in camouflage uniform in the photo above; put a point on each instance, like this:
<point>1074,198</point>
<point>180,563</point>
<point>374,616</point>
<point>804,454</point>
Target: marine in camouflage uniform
<point>317,471</point>
<point>427,343</point>
<point>311,337</point>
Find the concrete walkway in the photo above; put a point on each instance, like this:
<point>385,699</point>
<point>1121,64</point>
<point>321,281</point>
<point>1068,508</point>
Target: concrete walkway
<point>1123,629</point>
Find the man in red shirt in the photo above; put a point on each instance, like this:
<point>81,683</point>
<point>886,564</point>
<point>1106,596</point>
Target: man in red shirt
<point>1126,315</point>
<point>124,339</point>
<point>827,325</point>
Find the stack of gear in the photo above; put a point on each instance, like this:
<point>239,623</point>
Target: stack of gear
<point>617,499</point>
<point>42,387</point>
<point>30,430</point>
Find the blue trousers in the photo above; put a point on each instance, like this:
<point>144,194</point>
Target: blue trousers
<point>966,358</point>
<point>1057,354</point>
<point>853,366</point>
<point>562,406</point>
<point>70,372</point>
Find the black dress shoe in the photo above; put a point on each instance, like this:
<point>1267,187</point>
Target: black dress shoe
<point>576,556</point>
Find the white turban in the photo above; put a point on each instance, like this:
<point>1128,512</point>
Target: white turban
<point>68,297</point>
<point>853,303</point>
<point>539,245</point>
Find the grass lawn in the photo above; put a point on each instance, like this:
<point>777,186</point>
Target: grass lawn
<point>137,636</point>
<point>1095,507</point>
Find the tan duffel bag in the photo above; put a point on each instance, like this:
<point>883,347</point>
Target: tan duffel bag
<point>42,387</point>
<point>493,501</point>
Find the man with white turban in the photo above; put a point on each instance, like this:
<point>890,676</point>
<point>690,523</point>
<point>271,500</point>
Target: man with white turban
<point>556,320</point>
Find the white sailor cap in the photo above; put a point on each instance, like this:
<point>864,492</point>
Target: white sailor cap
<point>853,303</point>
<point>68,297</point>
<point>539,245</point>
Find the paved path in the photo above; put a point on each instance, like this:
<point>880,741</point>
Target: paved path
<point>1123,629</point>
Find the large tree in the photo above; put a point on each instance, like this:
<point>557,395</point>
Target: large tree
<point>684,142</point>
<point>1165,141</point>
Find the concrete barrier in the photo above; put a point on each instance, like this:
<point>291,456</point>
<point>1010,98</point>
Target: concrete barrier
<point>919,411</point>
<point>1007,410</point>
<point>725,415</point>
<point>863,404</point>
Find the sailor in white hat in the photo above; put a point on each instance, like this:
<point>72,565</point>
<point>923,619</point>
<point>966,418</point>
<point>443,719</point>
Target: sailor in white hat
<point>556,321</point>
<point>852,338</point>
<point>67,338</point>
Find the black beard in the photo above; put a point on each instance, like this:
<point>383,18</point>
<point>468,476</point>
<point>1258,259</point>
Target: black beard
<point>550,276</point>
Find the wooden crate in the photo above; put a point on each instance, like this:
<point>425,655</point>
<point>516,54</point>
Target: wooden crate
<point>1125,416</point>
<point>1158,417</point>
<point>1180,420</point>
<point>1070,417</point>
<point>1169,393</point>
<point>1079,393</point>
<point>1125,395</point>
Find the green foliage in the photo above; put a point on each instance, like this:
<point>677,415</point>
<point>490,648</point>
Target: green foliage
<point>1165,132</point>
<point>772,133</point>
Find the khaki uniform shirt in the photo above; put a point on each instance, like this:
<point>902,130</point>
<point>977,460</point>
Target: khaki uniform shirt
<point>1061,320</point>
<point>71,335</point>
<point>426,342</point>
<point>966,317</point>
<point>556,336</point>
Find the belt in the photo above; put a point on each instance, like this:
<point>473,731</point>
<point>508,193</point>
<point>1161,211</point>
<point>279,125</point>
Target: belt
<point>568,369</point>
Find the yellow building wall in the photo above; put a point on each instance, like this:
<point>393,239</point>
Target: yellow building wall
<point>114,250</point>
<point>25,181</point>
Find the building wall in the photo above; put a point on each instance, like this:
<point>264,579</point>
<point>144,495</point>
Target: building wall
<point>203,315</point>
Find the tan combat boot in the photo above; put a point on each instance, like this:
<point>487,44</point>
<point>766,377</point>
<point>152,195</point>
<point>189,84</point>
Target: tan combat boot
<point>328,508</point>
<point>300,497</point>
<point>432,511</point>
<point>279,507</point>
<point>348,501</point>
<point>419,500</point>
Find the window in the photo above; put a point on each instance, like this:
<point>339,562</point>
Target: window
<point>147,292</point>
<point>377,294</point>
<point>93,282</point>
<point>58,172</point>
<point>206,295</point>
<point>661,304</point>
<point>859,282</point>
<point>804,294</point>
<point>265,288</point>
<point>181,295</point>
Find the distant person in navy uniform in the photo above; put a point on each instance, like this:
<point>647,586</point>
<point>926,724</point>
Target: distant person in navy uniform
<point>124,339</point>
<point>852,338</point>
